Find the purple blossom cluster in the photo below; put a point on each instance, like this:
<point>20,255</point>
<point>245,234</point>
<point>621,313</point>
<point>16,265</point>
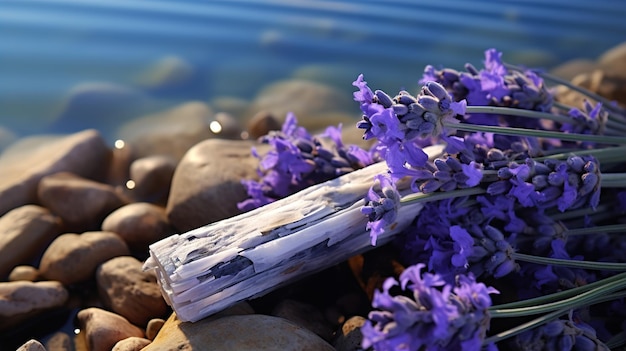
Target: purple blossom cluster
<point>297,160</point>
<point>560,335</point>
<point>521,187</point>
<point>494,85</point>
<point>430,314</point>
<point>401,124</point>
<point>567,184</point>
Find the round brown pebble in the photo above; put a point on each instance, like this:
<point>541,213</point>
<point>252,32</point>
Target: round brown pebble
<point>24,272</point>
<point>73,258</point>
<point>139,224</point>
<point>129,291</point>
<point>103,329</point>
<point>153,327</point>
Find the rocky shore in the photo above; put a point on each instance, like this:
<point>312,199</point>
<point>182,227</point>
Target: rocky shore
<point>77,216</point>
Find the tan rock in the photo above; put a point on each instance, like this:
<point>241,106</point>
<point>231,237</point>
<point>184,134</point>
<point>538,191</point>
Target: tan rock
<point>350,337</point>
<point>23,299</point>
<point>262,123</point>
<point>25,163</point>
<point>32,345</point>
<point>613,61</point>
<point>232,105</point>
<point>572,68</point>
<point>304,315</point>
<point>60,341</point>
<point>82,203</point>
<point>72,258</point>
<point>171,132</point>
<point>153,327</point>
<point>207,183</point>
<point>129,291</point>
<point>139,224</point>
<point>28,273</point>
<point>153,177</point>
<point>24,233</point>
<point>608,85</point>
<point>103,329</point>
<point>313,103</point>
<point>131,344</point>
<point>238,332</point>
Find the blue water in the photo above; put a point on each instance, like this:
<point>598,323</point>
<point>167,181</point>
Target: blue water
<point>49,50</point>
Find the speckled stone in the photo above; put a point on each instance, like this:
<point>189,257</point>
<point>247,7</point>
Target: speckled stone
<point>253,332</point>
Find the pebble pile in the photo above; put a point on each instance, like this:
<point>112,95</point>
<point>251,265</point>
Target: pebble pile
<point>74,231</point>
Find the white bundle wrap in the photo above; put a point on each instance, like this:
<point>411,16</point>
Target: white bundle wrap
<point>205,270</point>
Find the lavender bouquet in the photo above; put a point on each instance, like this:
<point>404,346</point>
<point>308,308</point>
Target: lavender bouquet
<point>487,184</point>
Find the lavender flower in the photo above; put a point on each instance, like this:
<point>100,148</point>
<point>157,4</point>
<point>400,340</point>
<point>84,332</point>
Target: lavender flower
<point>401,124</point>
<point>381,210</point>
<point>590,121</point>
<point>433,315</point>
<point>566,184</point>
<point>298,160</point>
<point>494,86</point>
<point>443,174</point>
<point>559,335</point>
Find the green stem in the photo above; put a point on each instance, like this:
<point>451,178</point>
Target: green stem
<point>604,155</point>
<point>602,139</point>
<point>587,298</point>
<point>561,294</point>
<point>442,195</point>
<point>578,213</point>
<point>600,266</point>
<point>525,326</point>
<point>612,228</point>
<point>613,180</point>
<point>616,341</point>
<point>507,111</point>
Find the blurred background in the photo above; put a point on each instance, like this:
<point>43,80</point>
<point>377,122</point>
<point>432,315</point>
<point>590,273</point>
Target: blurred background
<point>69,65</point>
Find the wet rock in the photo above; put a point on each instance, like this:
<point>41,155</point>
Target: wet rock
<point>7,137</point>
<point>350,337</point>
<point>139,224</point>
<point>60,341</point>
<point>22,300</point>
<point>153,327</point>
<point>232,105</point>
<point>129,291</point>
<point>26,162</point>
<point>122,156</point>
<point>613,61</point>
<point>608,85</point>
<point>73,258</point>
<point>225,126</point>
<point>315,105</point>
<point>171,132</point>
<point>238,332</point>
<point>25,233</point>
<point>100,105</point>
<point>28,273</point>
<point>207,183</point>
<point>103,329</point>
<point>168,74</point>
<point>131,344</point>
<point>153,177</point>
<point>80,202</point>
<point>571,69</point>
<point>304,315</point>
<point>262,123</point>
<point>32,345</point>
